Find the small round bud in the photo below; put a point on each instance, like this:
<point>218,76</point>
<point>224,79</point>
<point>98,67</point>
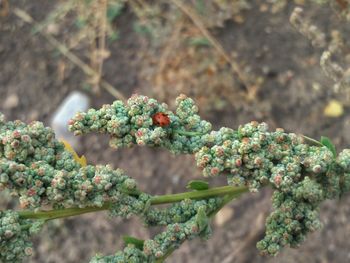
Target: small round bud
<point>317,169</point>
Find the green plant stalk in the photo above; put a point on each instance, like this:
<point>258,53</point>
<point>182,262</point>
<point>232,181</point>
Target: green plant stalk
<point>312,141</point>
<point>308,140</point>
<point>188,133</point>
<point>203,194</point>
<point>61,213</point>
<point>155,200</point>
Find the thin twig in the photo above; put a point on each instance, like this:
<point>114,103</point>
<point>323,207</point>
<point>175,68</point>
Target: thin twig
<point>102,41</point>
<point>197,21</point>
<point>342,3</point>
<point>169,46</point>
<point>4,8</point>
<point>69,55</point>
<point>98,51</point>
<point>61,11</point>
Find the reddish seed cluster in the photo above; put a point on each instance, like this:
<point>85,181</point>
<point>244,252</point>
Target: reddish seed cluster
<point>160,119</point>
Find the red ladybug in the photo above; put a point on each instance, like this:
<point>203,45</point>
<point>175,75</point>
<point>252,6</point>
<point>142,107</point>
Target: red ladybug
<point>161,119</point>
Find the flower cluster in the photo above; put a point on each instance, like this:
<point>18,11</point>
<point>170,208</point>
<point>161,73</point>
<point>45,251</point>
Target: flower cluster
<point>302,175</point>
<point>37,167</point>
<point>176,233</point>
<point>295,215</point>
<point>41,170</point>
<point>134,123</point>
<point>129,254</point>
<point>180,212</point>
<point>14,237</point>
<point>195,225</point>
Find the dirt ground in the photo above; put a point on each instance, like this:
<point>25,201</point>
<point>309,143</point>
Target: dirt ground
<point>293,96</point>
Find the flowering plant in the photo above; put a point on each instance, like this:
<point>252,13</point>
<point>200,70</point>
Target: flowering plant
<point>45,172</point>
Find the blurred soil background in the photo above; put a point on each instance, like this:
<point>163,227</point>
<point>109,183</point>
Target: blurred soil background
<point>240,60</point>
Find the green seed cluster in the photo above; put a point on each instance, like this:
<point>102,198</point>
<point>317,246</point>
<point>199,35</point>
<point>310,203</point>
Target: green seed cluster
<point>132,124</point>
<point>180,212</point>
<point>14,237</point>
<point>41,171</point>
<point>36,166</point>
<point>175,234</point>
<point>127,205</point>
<point>343,160</point>
<point>295,215</point>
<point>253,156</point>
<point>129,254</point>
<point>302,175</point>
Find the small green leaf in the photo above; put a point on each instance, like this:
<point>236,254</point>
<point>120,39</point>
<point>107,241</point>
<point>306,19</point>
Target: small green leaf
<point>197,185</point>
<point>200,42</point>
<point>80,22</point>
<point>200,7</point>
<point>138,243</point>
<point>327,142</point>
<point>113,11</point>
<point>143,30</point>
<point>202,219</point>
<point>147,206</point>
<point>114,35</point>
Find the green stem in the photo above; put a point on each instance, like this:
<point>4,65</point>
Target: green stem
<point>188,133</point>
<point>307,139</point>
<point>216,191</point>
<point>61,213</point>
<point>312,141</point>
<point>167,254</point>
<point>155,200</point>
<point>25,227</point>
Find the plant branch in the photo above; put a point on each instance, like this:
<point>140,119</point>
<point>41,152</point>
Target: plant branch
<point>312,141</point>
<point>155,200</point>
<point>188,133</point>
<point>61,213</point>
<point>212,192</point>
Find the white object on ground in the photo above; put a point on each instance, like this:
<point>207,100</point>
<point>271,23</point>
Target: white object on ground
<point>73,103</point>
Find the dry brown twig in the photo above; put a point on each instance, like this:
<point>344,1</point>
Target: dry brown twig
<point>4,8</point>
<point>342,3</point>
<point>167,52</point>
<point>99,52</point>
<point>251,89</point>
<point>307,29</point>
<point>169,46</point>
<point>69,55</point>
<point>59,12</point>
